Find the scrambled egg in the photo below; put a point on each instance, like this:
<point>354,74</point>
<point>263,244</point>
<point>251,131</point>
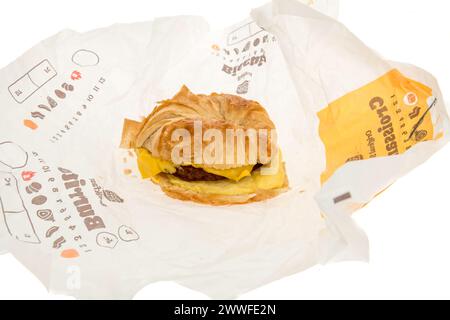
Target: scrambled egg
<point>150,166</point>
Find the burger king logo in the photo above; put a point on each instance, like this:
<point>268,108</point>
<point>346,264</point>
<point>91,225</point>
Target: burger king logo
<point>411,99</point>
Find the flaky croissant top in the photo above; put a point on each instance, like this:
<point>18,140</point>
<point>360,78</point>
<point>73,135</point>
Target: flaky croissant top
<point>216,111</point>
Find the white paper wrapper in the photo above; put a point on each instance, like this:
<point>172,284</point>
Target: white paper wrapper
<point>79,217</point>
<point>333,65</point>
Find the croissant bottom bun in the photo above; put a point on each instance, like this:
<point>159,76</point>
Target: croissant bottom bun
<point>180,193</point>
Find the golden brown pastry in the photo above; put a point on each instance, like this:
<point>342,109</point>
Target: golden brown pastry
<point>238,179</point>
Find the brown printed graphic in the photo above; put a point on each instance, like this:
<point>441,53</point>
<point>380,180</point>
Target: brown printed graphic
<point>244,51</point>
<point>32,81</point>
<point>12,206</point>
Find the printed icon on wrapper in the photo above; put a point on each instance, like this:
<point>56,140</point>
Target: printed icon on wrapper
<point>112,196</point>
<point>33,188</point>
<point>411,99</point>
<point>28,175</point>
<point>243,87</point>
<point>127,234</point>
<point>421,135</point>
<point>39,200</point>
<point>70,254</point>
<point>46,215</point>
<point>50,232</point>
<point>107,240</point>
<point>12,155</point>
<point>85,58</point>
<point>76,75</point>
<point>17,220</point>
<point>58,243</point>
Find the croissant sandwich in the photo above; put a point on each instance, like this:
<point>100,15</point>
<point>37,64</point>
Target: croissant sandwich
<point>216,149</point>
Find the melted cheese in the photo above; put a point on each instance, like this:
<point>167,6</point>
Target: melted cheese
<point>150,167</point>
<point>235,174</point>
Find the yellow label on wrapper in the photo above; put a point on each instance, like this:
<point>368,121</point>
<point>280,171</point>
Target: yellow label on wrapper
<point>385,118</point>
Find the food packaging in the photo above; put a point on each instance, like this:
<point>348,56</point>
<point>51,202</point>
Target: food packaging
<point>78,215</point>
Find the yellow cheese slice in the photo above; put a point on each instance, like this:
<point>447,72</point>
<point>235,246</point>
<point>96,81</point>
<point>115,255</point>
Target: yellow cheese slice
<point>235,174</point>
<point>149,166</point>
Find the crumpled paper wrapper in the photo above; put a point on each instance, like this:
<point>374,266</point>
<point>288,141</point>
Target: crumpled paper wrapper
<point>75,210</point>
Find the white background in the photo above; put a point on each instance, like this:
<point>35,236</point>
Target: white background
<point>408,226</point>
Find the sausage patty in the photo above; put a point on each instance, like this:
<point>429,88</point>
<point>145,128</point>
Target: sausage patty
<point>189,173</point>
